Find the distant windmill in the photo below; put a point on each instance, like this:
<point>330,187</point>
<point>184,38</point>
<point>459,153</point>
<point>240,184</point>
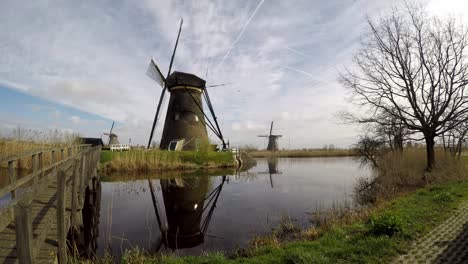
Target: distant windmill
<point>186,121</point>
<point>112,137</point>
<point>272,139</point>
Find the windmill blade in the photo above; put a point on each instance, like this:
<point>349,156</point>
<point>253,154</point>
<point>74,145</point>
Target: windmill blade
<point>156,117</point>
<point>112,127</point>
<point>271,128</point>
<point>263,135</point>
<point>161,98</point>
<point>217,85</point>
<point>110,133</point>
<point>175,48</point>
<point>155,73</point>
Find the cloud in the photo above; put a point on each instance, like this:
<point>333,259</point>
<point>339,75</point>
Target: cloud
<point>76,120</point>
<point>278,58</point>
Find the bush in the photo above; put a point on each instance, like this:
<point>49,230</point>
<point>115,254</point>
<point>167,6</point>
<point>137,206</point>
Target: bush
<point>386,224</point>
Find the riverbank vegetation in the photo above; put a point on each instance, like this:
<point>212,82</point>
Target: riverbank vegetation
<point>373,235</point>
<point>19,140</point>
<point>147,160</point>
<point>304,153</point>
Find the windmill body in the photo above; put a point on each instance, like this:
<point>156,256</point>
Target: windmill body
<point>272,139</point>
<point>184,118</point>
<point>186,122</point>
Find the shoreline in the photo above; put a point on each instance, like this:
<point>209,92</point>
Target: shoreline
<point>376,234</point>
<point>161,161</point>
<point>303,153</point>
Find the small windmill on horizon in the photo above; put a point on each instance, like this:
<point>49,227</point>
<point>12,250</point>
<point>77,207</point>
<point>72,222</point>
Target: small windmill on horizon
<point>113,139</point>
<point>272,139</point>
<point>186,122</point>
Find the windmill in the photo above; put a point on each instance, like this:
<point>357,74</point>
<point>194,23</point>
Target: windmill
<point>186,121</point>
<point>272,139</point>
<point>112,137</point>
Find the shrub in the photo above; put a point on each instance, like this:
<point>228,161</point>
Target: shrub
<point>444,197</point>
<point>386,224</point>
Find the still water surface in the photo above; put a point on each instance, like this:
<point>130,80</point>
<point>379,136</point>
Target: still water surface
<point>215,211</point>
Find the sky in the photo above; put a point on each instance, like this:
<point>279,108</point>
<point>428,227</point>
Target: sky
<point>79,65</point>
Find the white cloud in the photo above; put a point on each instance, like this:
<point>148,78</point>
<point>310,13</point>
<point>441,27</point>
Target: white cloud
<point>93,56</point>
<point>76,120</point>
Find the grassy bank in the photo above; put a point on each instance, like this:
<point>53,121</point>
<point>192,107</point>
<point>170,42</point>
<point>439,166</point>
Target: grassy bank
<point>146,160</point>
<point>372,236</point>
<point>304,153</point>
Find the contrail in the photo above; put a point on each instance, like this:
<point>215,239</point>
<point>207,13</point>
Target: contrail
<point>300,53</point>
<point>241,33</point>
<point>300,71</point>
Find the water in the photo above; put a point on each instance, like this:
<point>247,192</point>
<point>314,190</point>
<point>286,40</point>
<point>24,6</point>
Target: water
<point>216,211</point>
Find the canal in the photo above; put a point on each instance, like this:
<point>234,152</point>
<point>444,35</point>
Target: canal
<point>190,213</point>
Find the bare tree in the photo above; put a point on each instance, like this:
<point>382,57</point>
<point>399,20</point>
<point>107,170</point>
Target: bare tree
<point>370,149</point>
<point>454,139</point>
<point>413,67</point>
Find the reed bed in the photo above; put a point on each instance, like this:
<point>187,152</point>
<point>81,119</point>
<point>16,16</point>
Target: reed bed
<point>147,160</point>
<point>12,147</point>
<point>400,172</point>
<point>304,153</point>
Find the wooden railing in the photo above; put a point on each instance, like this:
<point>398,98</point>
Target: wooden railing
<point>72,171</point>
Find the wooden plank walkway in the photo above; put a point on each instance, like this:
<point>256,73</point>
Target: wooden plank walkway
<point>34,227</point>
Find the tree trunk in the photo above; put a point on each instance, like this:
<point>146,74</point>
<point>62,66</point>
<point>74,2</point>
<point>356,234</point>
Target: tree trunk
<point>430,153</point>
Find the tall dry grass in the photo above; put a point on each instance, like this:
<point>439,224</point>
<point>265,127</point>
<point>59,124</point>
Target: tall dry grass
<point>19,141</point>
<point>146,160</point>
<point>400,172</point>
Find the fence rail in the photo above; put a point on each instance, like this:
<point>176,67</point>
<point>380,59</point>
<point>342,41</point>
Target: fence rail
<point>53,181</point>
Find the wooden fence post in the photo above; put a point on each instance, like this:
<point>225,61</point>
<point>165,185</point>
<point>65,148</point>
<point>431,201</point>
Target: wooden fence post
<point>74,209</point>
<point>34,165</point>
<point>40,164</point>
<point>61,154</point>
<point>82,178</point>
<point>61,227</point>
<point>24,233</point>
<point>69,152</point>
<point>12,176</point>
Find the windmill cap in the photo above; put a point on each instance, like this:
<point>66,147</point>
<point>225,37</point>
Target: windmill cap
<point>184,79</point>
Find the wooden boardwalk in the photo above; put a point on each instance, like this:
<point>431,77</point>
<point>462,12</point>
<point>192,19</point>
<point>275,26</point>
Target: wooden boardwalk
<point>45,205</point>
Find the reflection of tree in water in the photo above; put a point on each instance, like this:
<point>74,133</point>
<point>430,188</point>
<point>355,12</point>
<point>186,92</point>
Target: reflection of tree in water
<point>186,200</point>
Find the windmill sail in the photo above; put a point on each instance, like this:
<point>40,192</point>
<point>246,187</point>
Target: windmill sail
<point>155,73</point>
<point>161,98</point>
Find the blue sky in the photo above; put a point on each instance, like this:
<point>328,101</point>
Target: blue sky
<point>32,112</point>
<point>78,65</point>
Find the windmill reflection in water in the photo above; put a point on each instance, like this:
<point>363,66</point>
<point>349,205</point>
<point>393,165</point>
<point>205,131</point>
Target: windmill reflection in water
<point>186,201</point>
<point>272,169</point>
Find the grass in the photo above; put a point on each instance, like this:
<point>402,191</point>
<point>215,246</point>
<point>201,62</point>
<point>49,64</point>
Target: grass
<point>305,153</point>
<point>147,160</point>
<point>364,239</point>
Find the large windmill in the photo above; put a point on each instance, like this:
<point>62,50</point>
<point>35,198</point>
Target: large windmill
<point>113,139</point>
<point>186,121</point>
<point>272,139</point>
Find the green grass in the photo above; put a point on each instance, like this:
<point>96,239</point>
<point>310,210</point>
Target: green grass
<point>410,217</point>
